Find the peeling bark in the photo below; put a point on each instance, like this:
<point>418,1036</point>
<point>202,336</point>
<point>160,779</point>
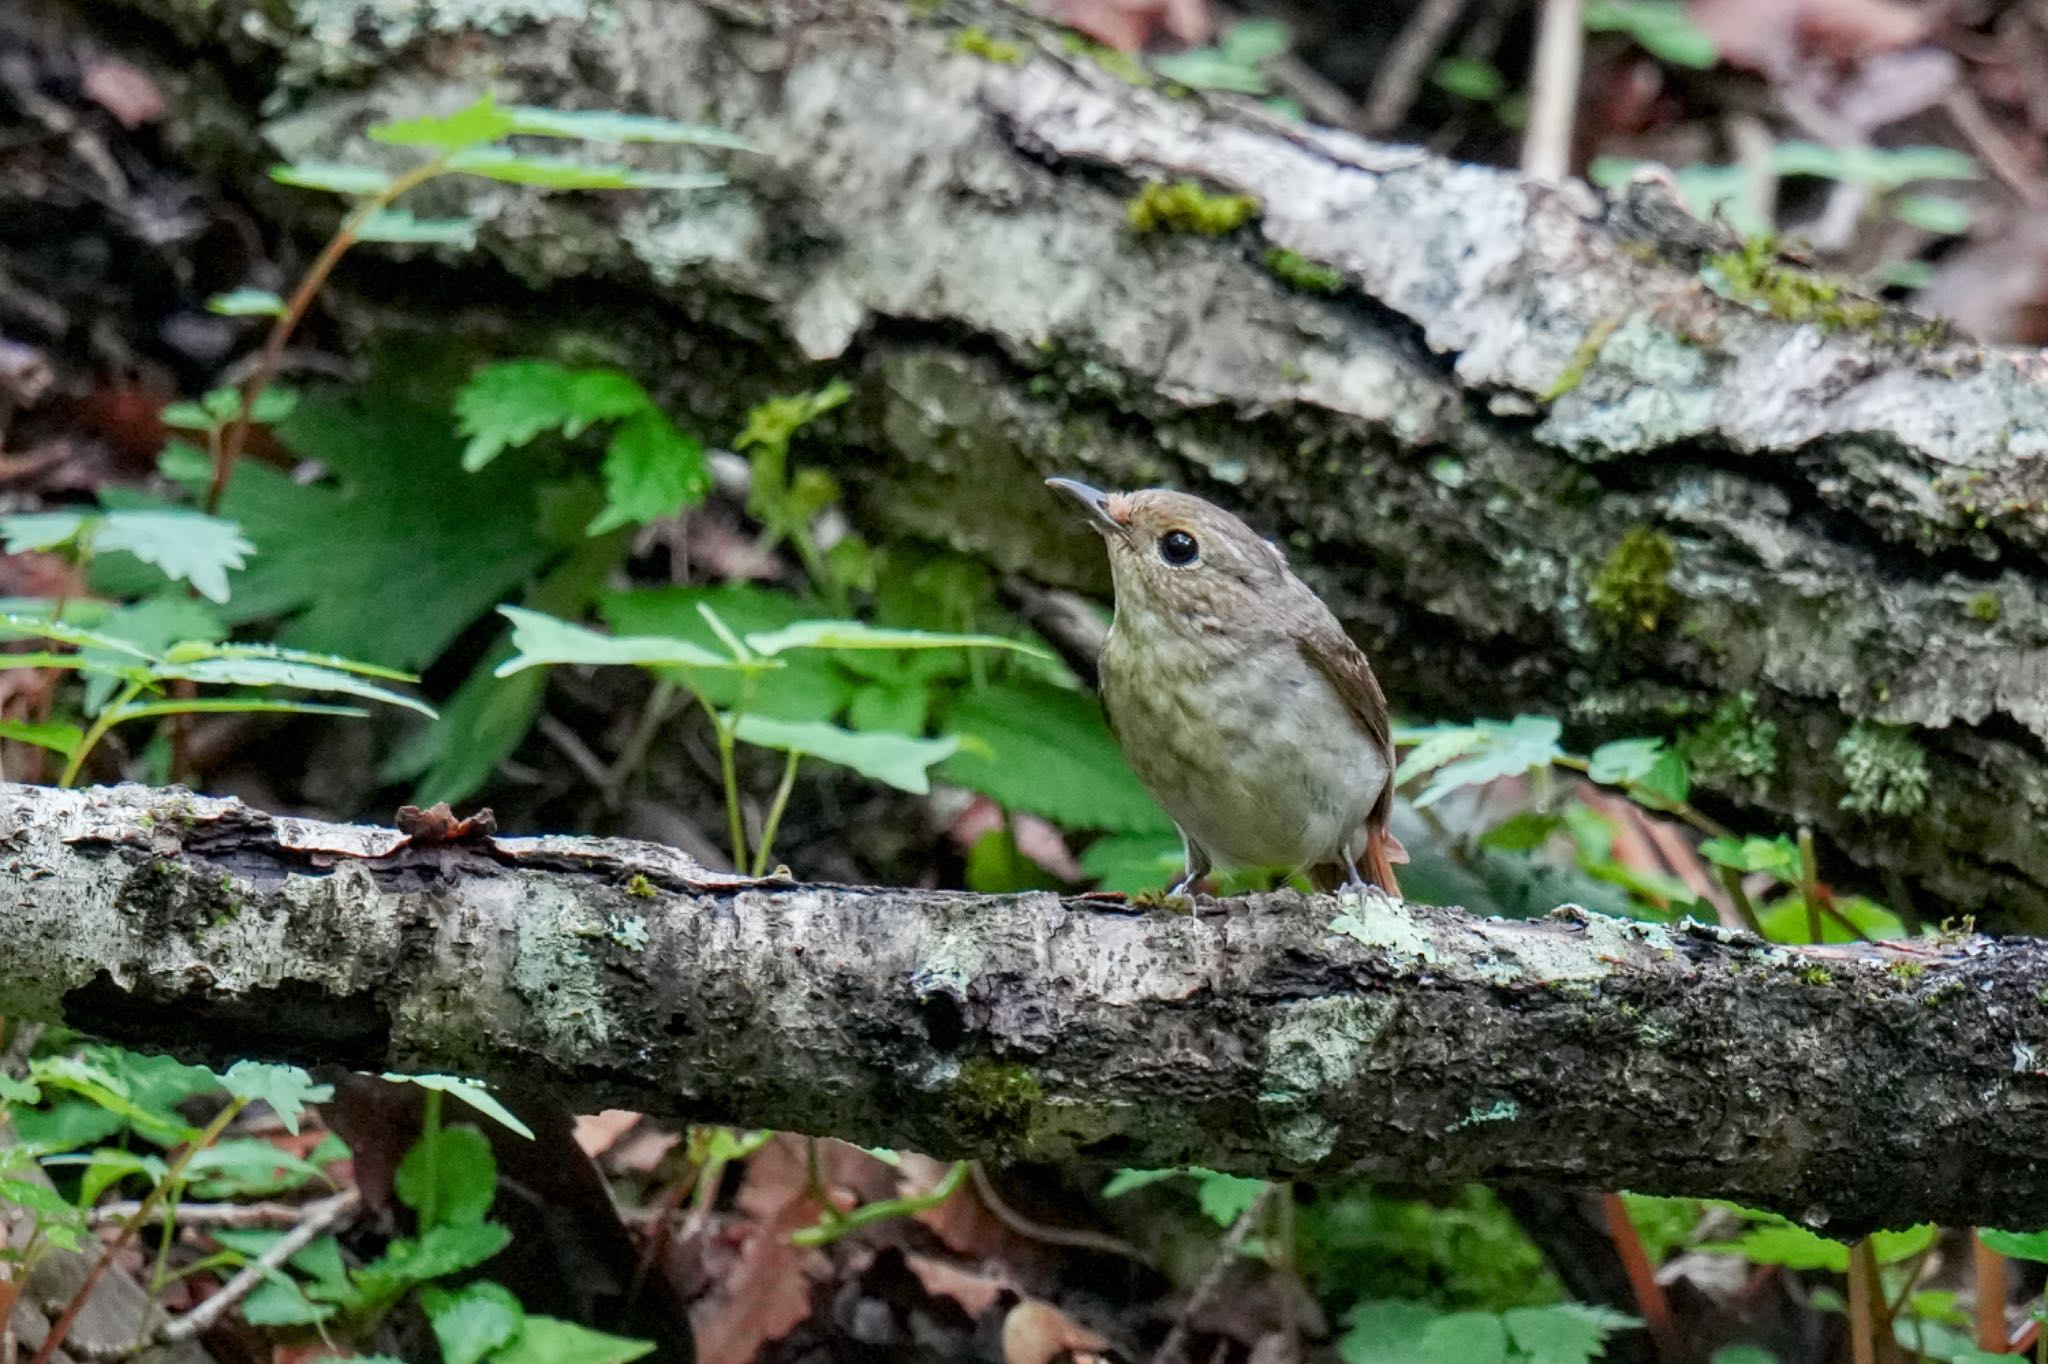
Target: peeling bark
<point>1529,456</point>
<point>1850,1088</point>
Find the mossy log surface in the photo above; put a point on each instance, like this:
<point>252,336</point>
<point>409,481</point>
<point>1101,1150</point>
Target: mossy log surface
<point>1268,1035</point>
<point>1535,461</point>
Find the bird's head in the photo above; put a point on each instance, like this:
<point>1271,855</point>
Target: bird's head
<point>1188,562</point>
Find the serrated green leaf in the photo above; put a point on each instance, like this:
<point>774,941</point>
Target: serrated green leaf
<point>396,552</point>
<point>1126,1181</point>
<point>1225,1198</point>
<point>1782,1243</point>
<point>246,303</point>
<point>449,1177</point>
<point>506,405</point>
<point>1523,832</point>
<point>15,1091</point>
<point>1890,1247</point>
<point>852,634</point>
<point>333,177</point>
<point>545,1340</point>
<point>471,1092</point>
<point>223,403</point>
<point>897,760</point>
<point>651,471</point>
<point>54,735</point>
<point>1507,750</point>
<point>1464,1338</point>
<point>606,125</point>
<point>1386,1331</point>
<point>1043,749</point>
<point>286,1089</point>
<point>2019,1245</point>
<point>1565,1332</point>
<point>278,1301</point>
<point>435,1254</point>
<point>38,1200</point>
<point>472,1321</point>
<point>539,640</point>
<point>398,226</point>
<point>1435,746</point>
<point>470,126</point>
<point>244,1167</point>
<point>187,546</point>
<point>268,672</point>
<point>1624,760</point>
<point>807,685</point>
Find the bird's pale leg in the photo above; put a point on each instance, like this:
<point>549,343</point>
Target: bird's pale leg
<point>1195,859</point>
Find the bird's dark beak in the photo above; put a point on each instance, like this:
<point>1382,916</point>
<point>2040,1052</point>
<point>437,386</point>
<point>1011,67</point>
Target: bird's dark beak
<point>1094,504</point>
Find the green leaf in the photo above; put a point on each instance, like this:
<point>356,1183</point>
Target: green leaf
<point>187,417</point>
<point>13,1091</point>
<point>246,303</point>
<point>1524,744</point>
<point>1133,863</point>
<point>450,1171</point>
<point>23,532</point>
<point>188,546</point>
<point>808,685</point>
<point>333,662</point>
<point>1225,1198</point>
<point>1660,27</point>
<point>897,760</point>
<point>1778,856</point>
<point>278,1301</point>
<point>1523,832</point>
<point>651,471</point>
<point>546,1340</point>
<point>267,672</point>
<point>554,172</point>
<point>1932,213</point>
<point>1387,1331</point>
<point>2019,1245</point>
<point>1124,1181</point>
<point>244,1167</point>
<point>471,1321</point>
<point>1044,749</point>
<point>396,552</point>
<point>508,404</point>
<point>470,1092</point>
<point>606,125</point>
<point>286,1089</point>
<point>332,177</point>
<point>539,640</point>
<point>1464,1338</point>
<point>469,126</point>
<point>55,735</point>
<point>1624,760</point>
<point>1565,1332</point>
<point>1782,1243</point>
<point>435,1254</point>
<point>273,405</point>
<point>1890,1247</point>
<point>852,634</point>
<point>1469,78</point>
<point>399,227</point>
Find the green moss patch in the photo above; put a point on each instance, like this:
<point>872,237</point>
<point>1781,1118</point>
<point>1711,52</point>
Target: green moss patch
<point>1185,206</point>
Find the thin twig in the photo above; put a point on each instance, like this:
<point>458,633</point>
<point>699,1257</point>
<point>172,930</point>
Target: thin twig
<point>1554,91</point>
<point>2007,162</point>
<point>1401,70</point>
<point>204,1214</point>
<point>314,1218</point>
<point>1173,1350</point>
<point>1075,1238</point>
<point>1642,1278</point>
<point>1988,1270</point>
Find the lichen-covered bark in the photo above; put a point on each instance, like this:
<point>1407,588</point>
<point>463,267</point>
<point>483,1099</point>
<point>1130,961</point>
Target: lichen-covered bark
<point>1265,1035</point>
<point>1531,458</point>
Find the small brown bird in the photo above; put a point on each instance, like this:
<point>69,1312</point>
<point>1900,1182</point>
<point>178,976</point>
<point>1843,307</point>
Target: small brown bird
<point>1238,699</point>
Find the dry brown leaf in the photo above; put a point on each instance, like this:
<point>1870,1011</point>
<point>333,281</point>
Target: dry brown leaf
<point>124,91</point>
<point>976,1293</point>
<point>1038,1333</point>
<point>1776,36</point>
<point>597,1133</point>
<point>764,1294</point>
<point>1131,25</point>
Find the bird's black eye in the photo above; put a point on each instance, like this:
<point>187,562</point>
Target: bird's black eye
<point>1178,548</point>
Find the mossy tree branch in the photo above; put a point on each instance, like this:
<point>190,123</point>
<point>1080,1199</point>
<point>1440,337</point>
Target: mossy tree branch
<point>1849,1087</point>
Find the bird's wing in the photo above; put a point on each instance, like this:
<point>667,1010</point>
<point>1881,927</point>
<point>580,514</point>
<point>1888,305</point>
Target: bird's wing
<point>1330,652</point>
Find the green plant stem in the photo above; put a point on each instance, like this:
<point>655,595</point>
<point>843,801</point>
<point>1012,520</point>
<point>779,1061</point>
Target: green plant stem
<point>1731,881</point>
<point>775,809</point>
<point>835,1225</point>
<point>1809,884</point>
<point>144,1212</point>
<point>237,434</point>
<point>430,1133</point>
<point>108,717</point>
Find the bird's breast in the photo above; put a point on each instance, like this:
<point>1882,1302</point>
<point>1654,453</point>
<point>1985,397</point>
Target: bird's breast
<point>1250,750</point>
